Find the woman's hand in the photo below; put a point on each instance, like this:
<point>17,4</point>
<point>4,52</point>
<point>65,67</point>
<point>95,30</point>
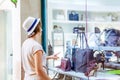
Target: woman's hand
<point>54,56</point>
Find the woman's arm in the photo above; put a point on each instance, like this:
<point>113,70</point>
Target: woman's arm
<point>54,56</point>
<point>39,66</point>
<point>22,72</point>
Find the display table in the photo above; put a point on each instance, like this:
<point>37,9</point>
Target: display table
<point>100,75</point>
<point>109,48</point>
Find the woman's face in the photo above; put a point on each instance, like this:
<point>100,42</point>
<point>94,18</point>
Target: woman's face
<point>38,35</point>
<point>40,32</point>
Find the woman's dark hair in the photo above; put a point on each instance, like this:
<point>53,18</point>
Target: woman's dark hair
<point>37,29</point>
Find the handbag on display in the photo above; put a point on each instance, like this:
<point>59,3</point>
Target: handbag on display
<point>78,29</point>
<point>117,54</point>
<point>91,68</point>
<point>112,37</point>
<point>65,64</point>
<point>81,57</point>
<point>60,16</point>
<point>50,49</point>
<point>100,58</point>
<point>73,16</point>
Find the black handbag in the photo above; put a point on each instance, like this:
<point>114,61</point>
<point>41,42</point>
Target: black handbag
<point>50,49</point>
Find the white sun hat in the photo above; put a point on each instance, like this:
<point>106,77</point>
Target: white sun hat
<point>30,24</point>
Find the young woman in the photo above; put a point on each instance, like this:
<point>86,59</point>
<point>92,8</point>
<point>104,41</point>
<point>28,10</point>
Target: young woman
<point>33,56</point>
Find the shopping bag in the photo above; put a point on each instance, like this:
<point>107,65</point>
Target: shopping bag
<point>80,59</point>
<point>81,56</point>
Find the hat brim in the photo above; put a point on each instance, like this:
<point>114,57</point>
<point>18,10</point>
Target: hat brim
<point>38,20</point>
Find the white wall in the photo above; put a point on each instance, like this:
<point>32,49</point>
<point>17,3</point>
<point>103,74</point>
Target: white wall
<point>29,9</point>
<point>7,6</point>
<point>16,36</point>
<point>5,45</point>
<point>2,46</point>
<point>9,48</point>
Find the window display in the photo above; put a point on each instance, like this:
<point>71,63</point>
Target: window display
<point>71,17</point>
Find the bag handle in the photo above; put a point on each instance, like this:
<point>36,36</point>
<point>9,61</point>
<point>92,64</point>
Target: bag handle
<point>86,21</point>
<point>73,12</point>
<point>87,46</point>
<point>83,33</point>
<point>108,34</point>
<point>82,38</point>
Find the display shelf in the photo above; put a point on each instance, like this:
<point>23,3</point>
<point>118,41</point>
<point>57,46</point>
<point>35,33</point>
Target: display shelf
<point>91,15</point>
<point>97,16</point>
<point>83,22</point>
<point>101,75</point>
<point>99,19</point>
<point>108,48</point>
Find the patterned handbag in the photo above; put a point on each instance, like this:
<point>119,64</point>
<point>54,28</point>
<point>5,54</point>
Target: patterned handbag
<point>65,64</point>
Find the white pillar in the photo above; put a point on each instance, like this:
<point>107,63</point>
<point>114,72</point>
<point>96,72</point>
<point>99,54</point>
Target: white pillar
<point>16,37</point>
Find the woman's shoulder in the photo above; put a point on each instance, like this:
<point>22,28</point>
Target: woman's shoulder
<point>31,42</point>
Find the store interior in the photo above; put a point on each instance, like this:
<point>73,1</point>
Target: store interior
<point>92,16</point>
<point>69,20</point>
<point>101,14</point>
